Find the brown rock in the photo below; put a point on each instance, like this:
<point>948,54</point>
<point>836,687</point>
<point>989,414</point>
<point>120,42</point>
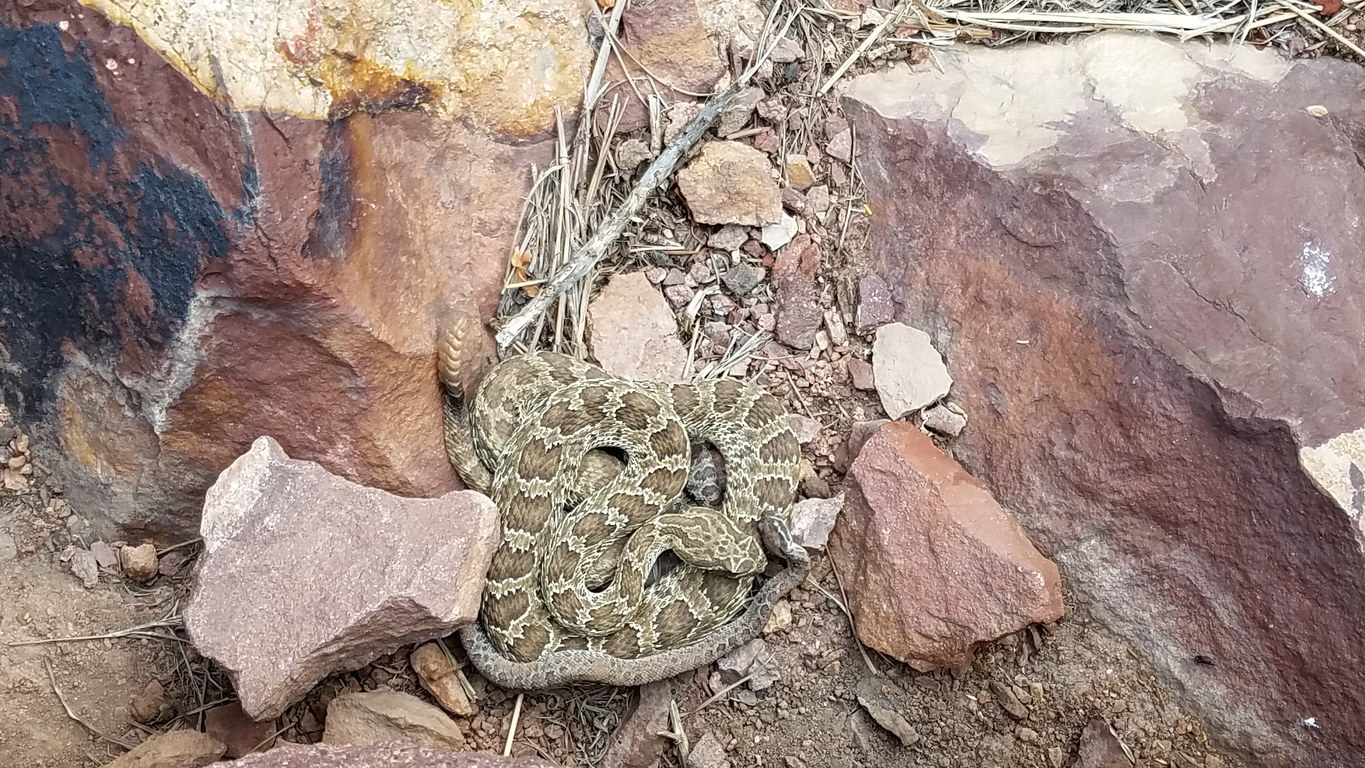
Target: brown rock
<point>378,756</point>
<point>1100,747</point>
<point>173,749</point>
<point>1175,362</point>
<point>933,565</point>
<point>637,742</point>
<point>668,39</point>
<point>860,371</point>
<point>945,419</point>
<point>250,272</point>
<point>139,563</point>
<point>798,302</point>
<point>632,331</point>
<point>146,706</point>
<point>731,183</point>
<point>105,556</point>
<point>799,173</point>
<point>84,567</point>
<point>279,607</point>
<point>375,717</point>
<point>241,734</point>
<point>441,678</point>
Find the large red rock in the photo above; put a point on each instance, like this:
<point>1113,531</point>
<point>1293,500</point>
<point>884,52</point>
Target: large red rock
<point>178,278</point>
<point>933,565</point>
<point>1142,263</point>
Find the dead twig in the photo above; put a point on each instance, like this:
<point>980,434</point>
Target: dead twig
<point>52,678</point>
<point>512,730</point>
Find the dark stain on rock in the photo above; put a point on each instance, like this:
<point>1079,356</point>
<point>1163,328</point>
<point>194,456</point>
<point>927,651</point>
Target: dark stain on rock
<point>331,227</point>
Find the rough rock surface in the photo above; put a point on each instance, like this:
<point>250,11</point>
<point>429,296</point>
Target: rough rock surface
<point>374,717</point>
<point>731,183</point>
<point>377,756</point>
<point>173,749</point>
<point>179,278</point>
<point>305,574</point>
<point>229,724</point>
<point>908,371</point>
<point>798,302</point>
<point>441,679</point>
<point>632,331</point>
<point>1148,279</point>
<point>932,564</point>
<point>812,520</point>
<point>1100,747</point>
<point>637,742</point>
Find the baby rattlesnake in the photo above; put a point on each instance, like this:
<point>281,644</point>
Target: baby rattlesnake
<point>567,597</point>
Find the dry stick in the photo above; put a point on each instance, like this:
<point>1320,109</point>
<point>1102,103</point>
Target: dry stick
<point>716,696</point>
<point>52,678</point>
<point>867,42</point>
<point>138,631</point>
<point>1328,30</point>
<point>512,731</point>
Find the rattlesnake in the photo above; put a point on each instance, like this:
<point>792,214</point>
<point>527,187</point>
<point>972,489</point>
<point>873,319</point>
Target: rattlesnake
<point>567,597</point>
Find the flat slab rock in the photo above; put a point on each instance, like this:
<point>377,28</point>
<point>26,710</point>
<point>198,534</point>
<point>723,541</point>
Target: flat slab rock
<point>933,565</point>
<point>1145,267</point>
<point>389,755</point>
<point>305,574</point>
<point>633,332</point>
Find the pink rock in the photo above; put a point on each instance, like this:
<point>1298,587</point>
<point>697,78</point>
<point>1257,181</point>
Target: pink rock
<point>305,574</point>
<point>1100,747</point>
<point>860,371</point>
<point>231,726</point>
<point>389,755</point>
<point>632,331</point>
<point>933,565</point>
<point>798,302</point>
<point>875,306</point>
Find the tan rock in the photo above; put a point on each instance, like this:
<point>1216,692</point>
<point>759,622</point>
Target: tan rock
<point>909,373</point>
<point>441,679</point>
<point>173,749</point>
<point>146,706</point>
<point>139,563</point>
<point>731,183</point>
<point>374,717</point>
<point>780,619</point>
<point>243,735</point>
<point>392,755</point>
<point>632,331</point>
<point>933,565</point>
<point>799,173</point>
<point>279,606</point>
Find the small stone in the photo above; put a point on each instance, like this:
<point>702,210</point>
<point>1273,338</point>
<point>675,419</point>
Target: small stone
<point>374,717</point>
<point>731,183</point>
<point>945,419</point>
<point>793,201</point>
<point>728,238</point>
<point>806,428</point>
<point>1213,761</point>
<point>707,753</point>
<point>674,276</point>
<point>173,749</point>
<point>85,568</point>
<point>841,146</point>
<point>242,735</point>
<point>818,201</point>
<point>656,275</point>
<point>146,706</point>
<point>778,234</point>
<point>766,141</point>
<point>700,273</point>
<point>441,679</point>
<point>1008,701</point>
<point>631,153</point>
<point>139,563</point>
<point>767,323</point>
<point>172,563</point>
<point>1100,747</point>
<point>678,296</point>
<point>834,324</point>
<point>105,556</point>
<point>753,660</point>
<point>632,331</point>
<point>780,619</point>
<point>786,51</point>
<point>1054,757</point>
<point>9,548</point>
<point>860,371</point>
<point>799,315</point>
<point>875,306</point>
<point>813,519</point>
<point>815,487</point>
<point>1027,735</point>
<point>799,172</point>
<point>742,278</point>
<point>677,118</point>
<point>910,374</point>
<point>876,703</point>
<point>741,108</point>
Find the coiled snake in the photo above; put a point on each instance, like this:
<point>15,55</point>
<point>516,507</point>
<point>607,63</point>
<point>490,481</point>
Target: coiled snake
<point>568,596</point>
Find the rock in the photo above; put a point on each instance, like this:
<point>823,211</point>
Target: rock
<point>731,183</point>
<point>285,252</point>
<point>678,296</point>
<point>441,679</point>
<point>1008,701</point>
<point>84,567</point>
<point>677,117</point>
<point>806,428</point>
<point>1100,747</point>
<point>241,734</point>
<point>818,201</point>
<point>1174,351</point>
<point>375,717</point>
<point>139,563</point>
<point>737,115</point>
<point>105,557</point>
<point>946,419</point>
<point>707,753</point>
<point>875,307</point>
<point>667,38</point>
<point>753,660</point>
<point>631,153</point>
<point>632,331</point>
<point>743,278</point>
<point>860,371</point>
<point>798,302</point>
<point>840,146</point>
<point>908,371</point>
<point>146,706</point>
<point>878,705</point>
<point>728,238</point>
<point>780,619</point>
<point>812,520</point>
<point>9,548</point>
<point>391,755</point>
<point>172,749</point>
<point>279,607</point>
<point>859,432</point>
<point>787,50</point>
<point>799,173</point>
<point>933,565</point>
<point>778,234</point>
<point>637,742</point>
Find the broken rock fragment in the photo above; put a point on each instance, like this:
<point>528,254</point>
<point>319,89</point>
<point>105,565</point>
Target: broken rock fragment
<point>933,565</point>
<point>798,301</point>
<point>632,331</point>
<point>909,373</point>
<point>374,717</point>
<point>441,679</point>
<point>173,749</point>
<point>731,183</point>
<point>305,574</point>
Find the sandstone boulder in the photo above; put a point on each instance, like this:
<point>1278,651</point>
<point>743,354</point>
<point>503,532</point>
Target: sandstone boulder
<point>305,574</point>
<point>390,755</point>
<point>1146,275</point>
<point>172,749</point>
